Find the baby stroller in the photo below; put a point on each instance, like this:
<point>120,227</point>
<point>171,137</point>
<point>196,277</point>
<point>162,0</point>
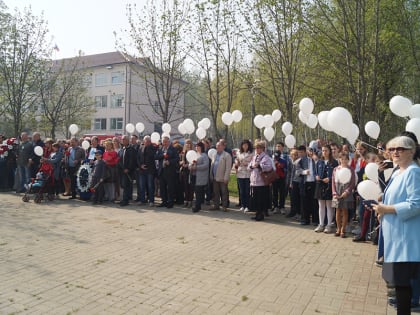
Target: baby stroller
<point>41,184</point>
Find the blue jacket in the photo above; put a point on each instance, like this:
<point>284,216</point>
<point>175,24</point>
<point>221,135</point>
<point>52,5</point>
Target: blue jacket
<point>401,230</point>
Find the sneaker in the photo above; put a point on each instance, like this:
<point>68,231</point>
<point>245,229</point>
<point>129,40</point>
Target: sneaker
<point>319,229</point>
<point>328,229</point>
<point>242,209</point>
<point>276,210</point>
<point>151,204</point>
<point>356,231</point>
<point>283,211</point>
<point>246,210</point>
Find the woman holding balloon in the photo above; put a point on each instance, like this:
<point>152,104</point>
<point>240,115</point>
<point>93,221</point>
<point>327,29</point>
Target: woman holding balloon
<point>400,222</point>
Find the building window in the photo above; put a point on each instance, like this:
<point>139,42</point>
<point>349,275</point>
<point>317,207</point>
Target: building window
<point>117,77</point>
<point>100,124</point>
<point>87,80</point>
<point>116,123</point>
<point>101,101</point>
<point>117,100</point>
<point>101,79</point>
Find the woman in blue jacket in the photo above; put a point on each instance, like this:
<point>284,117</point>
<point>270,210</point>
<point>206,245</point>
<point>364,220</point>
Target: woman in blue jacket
<point>400,221</point>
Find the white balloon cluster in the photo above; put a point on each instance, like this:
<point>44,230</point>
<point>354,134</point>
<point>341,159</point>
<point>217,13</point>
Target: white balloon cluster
<point>305,115</point>
<point>229,118</point>
<point>267,121</point>
<point>403,107</point>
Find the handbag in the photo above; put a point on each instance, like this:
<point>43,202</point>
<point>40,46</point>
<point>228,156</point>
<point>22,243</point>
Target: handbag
<point>269,177</point>
<point>335,203</point>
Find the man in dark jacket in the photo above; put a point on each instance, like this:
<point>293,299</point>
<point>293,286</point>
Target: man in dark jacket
<point>168,162</point>
<point>147,171</point>
<point>128,163</point>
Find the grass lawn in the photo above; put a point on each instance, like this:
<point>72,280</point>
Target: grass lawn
<point>233,186</point>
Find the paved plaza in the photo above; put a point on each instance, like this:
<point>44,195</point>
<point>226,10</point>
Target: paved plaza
<point>69,257</point>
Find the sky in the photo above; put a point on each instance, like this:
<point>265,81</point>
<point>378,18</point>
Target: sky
<point>86,25</point>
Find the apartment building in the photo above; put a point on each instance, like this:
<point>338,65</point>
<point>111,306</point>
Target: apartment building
<point>121,94</point>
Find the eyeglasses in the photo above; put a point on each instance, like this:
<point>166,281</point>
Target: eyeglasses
<point>398,149</point>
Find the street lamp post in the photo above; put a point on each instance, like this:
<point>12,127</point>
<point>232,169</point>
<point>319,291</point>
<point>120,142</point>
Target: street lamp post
<point>253,88</point>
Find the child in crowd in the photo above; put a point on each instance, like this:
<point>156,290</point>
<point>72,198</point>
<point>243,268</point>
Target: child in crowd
<point>342,188</point>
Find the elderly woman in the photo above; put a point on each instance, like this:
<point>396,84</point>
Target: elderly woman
<point>400,221</point>
<point>200,169</point>
<point>260,192</point>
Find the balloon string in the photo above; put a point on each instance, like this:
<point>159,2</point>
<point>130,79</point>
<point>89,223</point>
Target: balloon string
<point>369,145</point>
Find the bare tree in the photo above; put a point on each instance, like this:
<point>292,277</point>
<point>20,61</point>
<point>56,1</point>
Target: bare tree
<point>23,47</point>
<point>217,52</point>
<point>156,33</point>
<point>276,31</point>
<point>63,96</point>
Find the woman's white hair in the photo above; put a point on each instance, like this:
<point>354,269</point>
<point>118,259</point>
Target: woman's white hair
<point>403,142</point>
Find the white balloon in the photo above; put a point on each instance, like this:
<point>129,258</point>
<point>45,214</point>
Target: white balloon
<point>312,121</point>
<point>227,118</point>
<point>290,141</point>
<point>130,128</point>
<point>181,128</point>
<point>276,115</point>
<point>259,121</point>
<point>212,153</point>
<point>39,150</point>
<point>269,133</point>
<point>369,190</point>
<point>323,120</point>
<point>237,115</point>
<point>303,117</point>
<point>85,144</point>
<point>413,125</point>
<point>189,125</point>
<point>200,133</point>
<point>371,171</point>
<point>306,106</point>
<point>372,129</point>
<point>415,111</point>
<point>165,134</point>
<point>287,128</point>
<point>400,106</point>
<point>140,127</point>
<point>354,134</point>
<point>155,137</point>
<point>73,129</point>
<point>191,156</point>
<point>205,123</point>
<point>166,128</point>
<point>343,175</point>
<point>269,121</point>
<point>340,121</point>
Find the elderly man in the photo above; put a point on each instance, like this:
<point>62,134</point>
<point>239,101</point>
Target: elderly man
<point>75,159</point>
<point>168,162</point>
<point>221,166</point>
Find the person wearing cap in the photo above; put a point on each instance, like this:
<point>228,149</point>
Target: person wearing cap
<point>98,177</point>
<point>399,213</point>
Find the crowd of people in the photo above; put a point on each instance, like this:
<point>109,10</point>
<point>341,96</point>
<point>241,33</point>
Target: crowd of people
<point>128,169</point>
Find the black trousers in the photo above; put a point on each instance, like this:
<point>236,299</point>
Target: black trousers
<point>167,186</point>
<point>308,203</point>
<point>72,171</point>
<point>279,193</point>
